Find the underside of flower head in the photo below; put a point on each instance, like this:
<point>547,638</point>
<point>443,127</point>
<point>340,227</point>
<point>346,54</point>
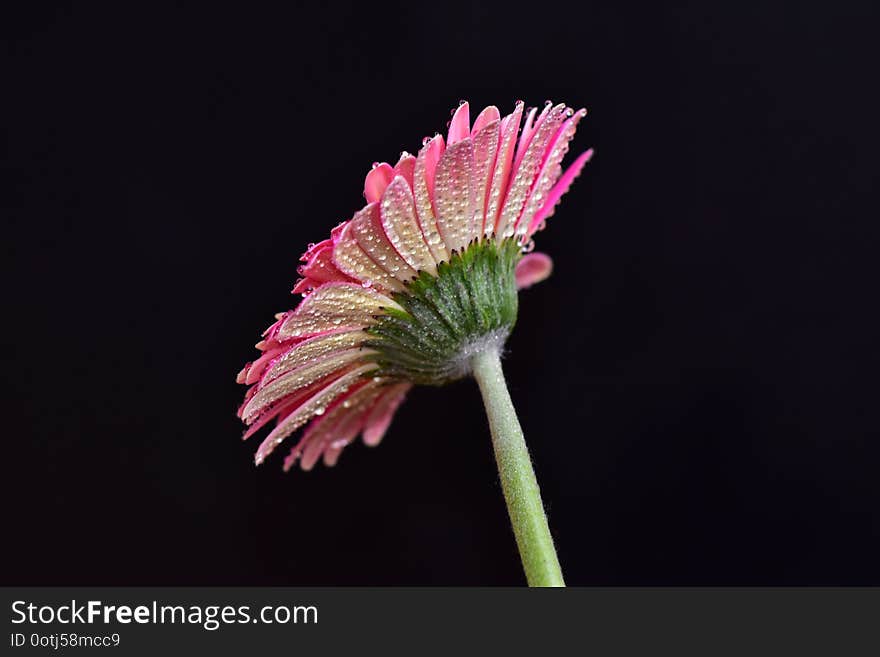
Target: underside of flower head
<point>414,283</point>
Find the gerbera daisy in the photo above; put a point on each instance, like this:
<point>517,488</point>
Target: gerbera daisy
<point>419,287</point>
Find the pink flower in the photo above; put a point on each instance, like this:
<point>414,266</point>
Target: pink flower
<point>413,283</point>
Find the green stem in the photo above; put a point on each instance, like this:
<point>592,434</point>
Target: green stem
<point>517,476</point>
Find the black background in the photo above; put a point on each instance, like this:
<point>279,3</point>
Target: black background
<point>697,381</point>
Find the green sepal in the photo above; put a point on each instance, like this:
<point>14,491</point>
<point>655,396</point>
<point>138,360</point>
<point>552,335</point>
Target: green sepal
<point>471,302</point>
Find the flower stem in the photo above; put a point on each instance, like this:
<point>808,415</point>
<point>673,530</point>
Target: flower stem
<point>517,476</point>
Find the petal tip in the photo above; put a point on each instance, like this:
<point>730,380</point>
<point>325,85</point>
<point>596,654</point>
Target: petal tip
<point>532,269</point>
<point>460,126</point>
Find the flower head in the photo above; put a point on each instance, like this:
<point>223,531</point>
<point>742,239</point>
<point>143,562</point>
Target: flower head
<point>418,280</point>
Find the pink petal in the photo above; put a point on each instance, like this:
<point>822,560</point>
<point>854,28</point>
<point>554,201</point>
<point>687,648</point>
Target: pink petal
<point>485,152</point>
<point>526,171</point>
<point>525,137</point>
<point>433,151</point>
<point>549,172</point>
<point>305,285</point>
<point>320,268</point>
<point>299,379</point>
<point>282,409</point>
<point>504,160</point>
<point>559,189</point>
<point>398,216</point>
<point>351,421</point>
<point>270,332</point>
<point>331,454</point>
<point>487,116</point>
<point>334,306</point>
<point>455,195</point>
<point>405,167</point>
<point>376,181</point>
<point>286,405</point>
<point>253,371</point>
<point>312,407</point>
<point>338,424</point>
<point>460,126</point>
<point>423,192</point>
<point>370,235</point>
<point>350,257</point>
<point>317,425</point>
<point>247,397</point>
<point>313,248</point>
<point>310,351</point>
<point>527,129</point>
<point>380,416</point>
<point>533,268</point>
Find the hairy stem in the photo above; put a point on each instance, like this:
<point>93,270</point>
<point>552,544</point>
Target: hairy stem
<point>517,476</point>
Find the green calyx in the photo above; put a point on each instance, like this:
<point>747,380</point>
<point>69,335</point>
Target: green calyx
<point>470,305</point>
